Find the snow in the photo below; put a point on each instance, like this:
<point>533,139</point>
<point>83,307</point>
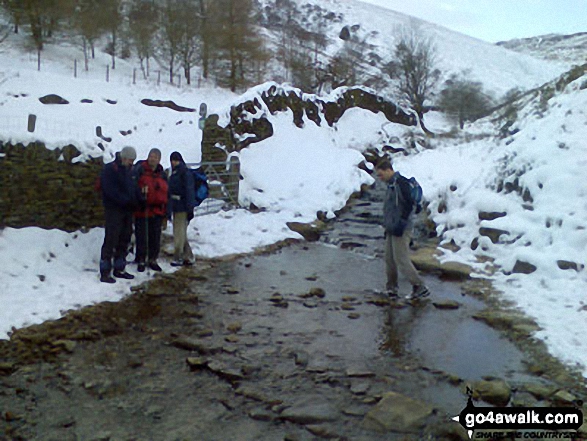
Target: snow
<point>298,172</point>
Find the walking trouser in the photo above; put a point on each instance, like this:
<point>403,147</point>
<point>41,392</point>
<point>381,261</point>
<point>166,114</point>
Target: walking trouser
<point>397,258</point>
<point>117,233</point>
<point>182,249</point>
<point>148,235</point>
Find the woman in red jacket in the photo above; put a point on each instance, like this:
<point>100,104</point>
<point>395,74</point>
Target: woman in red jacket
<point>152,182</point>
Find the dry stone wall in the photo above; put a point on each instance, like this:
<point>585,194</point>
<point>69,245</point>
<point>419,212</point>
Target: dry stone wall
<point>44,188</point>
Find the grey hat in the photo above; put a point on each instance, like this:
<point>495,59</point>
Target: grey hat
<point>128,153</point>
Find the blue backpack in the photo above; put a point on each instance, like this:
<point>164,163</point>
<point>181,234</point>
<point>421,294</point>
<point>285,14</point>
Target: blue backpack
<point>416,193</point>
<point>201,188</point>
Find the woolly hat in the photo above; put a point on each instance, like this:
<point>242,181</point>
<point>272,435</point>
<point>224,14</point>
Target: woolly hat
<point>128,153</point>
<point>176,156</point>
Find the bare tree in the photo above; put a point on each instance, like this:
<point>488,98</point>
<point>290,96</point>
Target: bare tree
<point>414,67</point>
<point>464,100</point>
<point>143,21</point>
<point>87,26</point>
<point>239,47</point>
<point>170,36</point>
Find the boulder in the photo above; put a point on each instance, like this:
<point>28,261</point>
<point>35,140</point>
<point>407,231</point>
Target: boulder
<point>53,99</point>
<point>397,413</point>
<point>494,391</point>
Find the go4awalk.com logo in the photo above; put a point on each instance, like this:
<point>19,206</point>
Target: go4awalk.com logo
<point>521,422</point>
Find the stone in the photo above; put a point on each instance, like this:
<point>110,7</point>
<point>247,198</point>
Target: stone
<point>566,265</point>
<point>522,267</point>
<point>311,232</point>
<point>67,345</point>
<point>322,431</point>
<point>564,397</point>
<point>229,373</point>
<point>196,363</point>
<point>447,304</point>
<point>360,387</point>
<point>53,99</point>
<point>397,413</point>
<point>310,410</point>
<point>194,344</point>
<point>492,233</point>
<point>7,368</point>
<point>540,391</point>
<point>494,391</point>
<point>354,315</point>
<point>234,327</point>
<point>491,215</point>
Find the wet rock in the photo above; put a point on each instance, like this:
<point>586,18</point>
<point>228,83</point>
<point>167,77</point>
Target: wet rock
<point>310,410</point>
<point>302,358</point>
<point>311,232</point>
<point>492,233</point>
<point>318,292</point>
<point>347,307</point>
<point>425,259</point>
<point>232,290</point>
<point>196,363</point>
<point>398,413</point>
<point>322,431</point>
<point>354,315</point>
<point>227,372</point>
<point>359,373</point>
<point>449,432</point>
<point>540,391</point>
<point>310,304</point>
<point>506,320</point>
<point>356,410</point>
<point>447,304</point>
<point>261,415</point>
<point>234,327</point>
<point>522,267</point>
<point>360,387</point>
<point>494,391</point>
<point>194,344</point>
<point>563,397</point>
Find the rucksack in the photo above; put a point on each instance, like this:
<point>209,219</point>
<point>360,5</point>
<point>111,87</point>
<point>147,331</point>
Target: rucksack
<point>416,193</point>
<point>201,188</point>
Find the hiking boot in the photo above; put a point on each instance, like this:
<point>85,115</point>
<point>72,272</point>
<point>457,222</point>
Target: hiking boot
<point>141,267</point>
<point>393,293</point>
<point>155,266</point>
<point>107,278</point>
<point>123,275</point>
<point>419,292</point>
<point>176,263</point>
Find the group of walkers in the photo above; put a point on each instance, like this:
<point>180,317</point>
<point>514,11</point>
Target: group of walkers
<point>148,195</point>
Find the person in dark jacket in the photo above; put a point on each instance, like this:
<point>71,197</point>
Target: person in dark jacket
<point>398,210</point>
<point>120,198</point>
<point>152,182</point>
<point>180,208</point>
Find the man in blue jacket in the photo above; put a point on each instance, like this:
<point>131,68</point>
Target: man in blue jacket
<point>120,198</point>
<point>181,203</point>
<point>398,210</point>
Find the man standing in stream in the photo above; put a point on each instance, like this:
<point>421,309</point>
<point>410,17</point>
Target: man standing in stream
<point>398,221</point>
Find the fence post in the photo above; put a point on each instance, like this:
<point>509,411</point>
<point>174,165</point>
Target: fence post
<point>107,73</point>
<point>234,178</point>
<point>134,76</point>
<point>31,123</point>
<point>158,77</point>
<point>75,68</point>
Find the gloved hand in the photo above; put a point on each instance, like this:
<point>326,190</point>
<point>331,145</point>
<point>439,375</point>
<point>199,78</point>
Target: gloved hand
<point>399,229</point>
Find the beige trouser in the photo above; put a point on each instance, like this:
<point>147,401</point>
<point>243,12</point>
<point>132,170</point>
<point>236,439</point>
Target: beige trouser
<point>181,245</point>
<point>397,257</point>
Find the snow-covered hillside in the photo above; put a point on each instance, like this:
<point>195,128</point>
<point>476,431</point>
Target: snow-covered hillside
<point>570,49</point>
<point>497,68</point>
